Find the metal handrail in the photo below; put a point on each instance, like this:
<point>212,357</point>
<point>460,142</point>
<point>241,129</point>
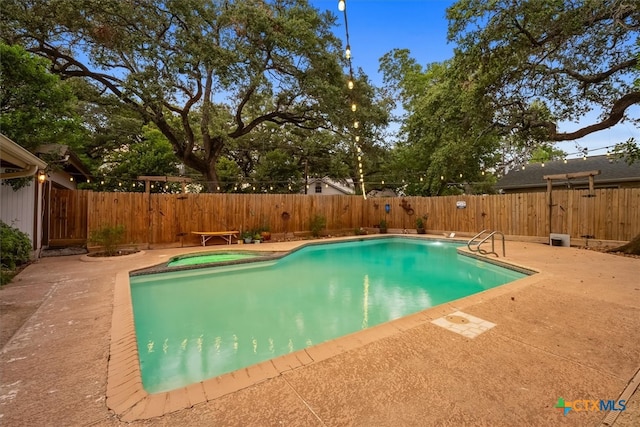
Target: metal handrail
<point>474,238</point>
<point>490,236</point>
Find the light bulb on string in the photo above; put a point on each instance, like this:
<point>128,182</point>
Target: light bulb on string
<point>347,52</point>
<point>357,138</point>
<point>354,107</point>
<point>350,84</point>
<point>341,5</point>
<point>356,124</point>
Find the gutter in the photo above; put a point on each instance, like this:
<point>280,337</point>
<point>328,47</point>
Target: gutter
<point>28,171</point>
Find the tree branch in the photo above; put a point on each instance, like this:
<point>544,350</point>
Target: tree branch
<point>615,115</point>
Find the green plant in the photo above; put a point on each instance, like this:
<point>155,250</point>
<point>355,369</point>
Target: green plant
<point>15,250</point>
<point>383,223</point>
<point>419,223</point>
<point>318,223</point>
<point>109,237</point>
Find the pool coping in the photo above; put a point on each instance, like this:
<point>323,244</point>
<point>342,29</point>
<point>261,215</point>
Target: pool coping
<point>127,397</point>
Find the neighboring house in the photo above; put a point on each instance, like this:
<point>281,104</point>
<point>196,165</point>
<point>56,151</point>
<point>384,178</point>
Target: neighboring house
<point>328,187</point>
<point>22,208</point>
<point>386,192</point>
<point>614,173</point>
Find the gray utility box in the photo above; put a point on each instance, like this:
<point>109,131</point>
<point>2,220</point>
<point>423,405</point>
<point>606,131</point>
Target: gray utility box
<point>556,239</point>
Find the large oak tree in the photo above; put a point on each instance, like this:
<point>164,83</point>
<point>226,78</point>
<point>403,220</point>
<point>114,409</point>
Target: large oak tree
<point>568,57</point>
<point>200,70</point>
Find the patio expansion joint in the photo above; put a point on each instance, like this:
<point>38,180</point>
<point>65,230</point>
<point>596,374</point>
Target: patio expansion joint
<point>302,399</point>
<point>26,324</point>
<point>565,358</point>
<point>629,390</point>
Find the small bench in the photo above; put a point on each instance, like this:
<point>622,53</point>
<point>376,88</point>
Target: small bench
<point>226,235</point>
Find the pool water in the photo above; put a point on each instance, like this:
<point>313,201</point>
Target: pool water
<point>208,258</point>
<point>200,323</point>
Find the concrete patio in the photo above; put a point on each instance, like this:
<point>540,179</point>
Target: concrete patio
<point>571,331</point>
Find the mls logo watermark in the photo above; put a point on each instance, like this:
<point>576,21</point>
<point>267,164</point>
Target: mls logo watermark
<point>589,405</point>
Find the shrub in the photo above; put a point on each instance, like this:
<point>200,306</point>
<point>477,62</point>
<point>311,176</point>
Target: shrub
<point>16,246</point>
<point>108,237</point>
<point>318,223</point>
<point>15,250</point>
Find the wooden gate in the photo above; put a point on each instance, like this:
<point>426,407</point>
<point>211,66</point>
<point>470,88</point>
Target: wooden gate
<point>66,223</point>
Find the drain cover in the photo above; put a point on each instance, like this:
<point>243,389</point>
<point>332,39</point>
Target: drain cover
<point>457,319</point>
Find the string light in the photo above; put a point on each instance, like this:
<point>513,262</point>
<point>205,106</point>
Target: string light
<point>342,7</point>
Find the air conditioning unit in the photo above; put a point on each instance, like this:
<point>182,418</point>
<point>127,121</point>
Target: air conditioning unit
<point>556,239</point>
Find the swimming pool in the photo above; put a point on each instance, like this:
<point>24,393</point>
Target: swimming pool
<point>201,323</point>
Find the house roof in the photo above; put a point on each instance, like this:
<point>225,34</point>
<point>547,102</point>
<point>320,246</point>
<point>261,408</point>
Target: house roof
<point>612,170</point>
<point>13,155</point>
<point>343,188</point>
<point>70,163</point>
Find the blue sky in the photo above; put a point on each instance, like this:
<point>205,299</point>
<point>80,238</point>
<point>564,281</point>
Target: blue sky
<point>378,26</point>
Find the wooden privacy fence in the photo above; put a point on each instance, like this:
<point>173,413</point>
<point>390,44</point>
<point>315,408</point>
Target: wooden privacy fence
<point>607,214</point>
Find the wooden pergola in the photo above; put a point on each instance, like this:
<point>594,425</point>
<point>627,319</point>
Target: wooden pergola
<point>567,177</point>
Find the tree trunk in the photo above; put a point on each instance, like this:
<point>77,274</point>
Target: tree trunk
<point>212,185</point>
<point>633,247</point>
